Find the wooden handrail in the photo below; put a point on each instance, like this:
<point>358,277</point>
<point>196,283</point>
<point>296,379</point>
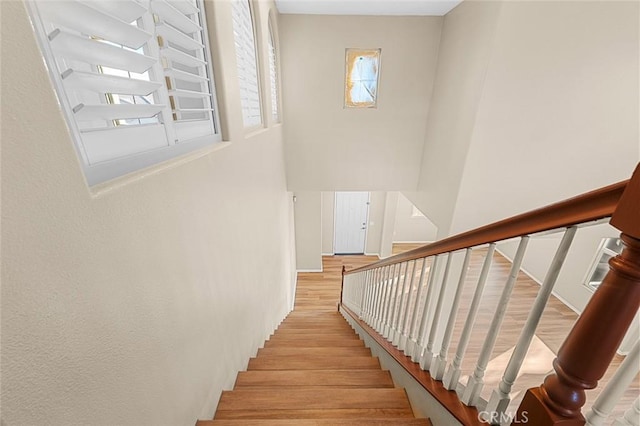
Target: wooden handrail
<point>590,206</point>
<point>591,344</point>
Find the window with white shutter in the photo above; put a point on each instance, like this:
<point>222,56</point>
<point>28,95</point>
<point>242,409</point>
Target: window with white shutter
<point>273,76</point>
<point>134,78</point>
<point>246,58</point>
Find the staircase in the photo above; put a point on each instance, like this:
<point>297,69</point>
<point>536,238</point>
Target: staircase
<point>314,370</point>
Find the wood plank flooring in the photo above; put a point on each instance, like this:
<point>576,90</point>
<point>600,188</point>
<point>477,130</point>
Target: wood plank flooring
<point>314,370</point>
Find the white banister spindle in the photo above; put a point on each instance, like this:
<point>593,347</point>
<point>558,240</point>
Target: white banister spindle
<point>499,400</point>
<point>349,289</point>
<point>427,356</point>
<point>631,417</point>
<point>452,375</point>
<point>411,340</point>
<point>397,325</point>
<point>361,293</point>
<point>381,291</point>
<point>389,299</point>
<point>373,296</point>
<point>440,362</point>
<point>366,289</point>
<point>404,328</point>
<point>376,295</point>
<point>613,391</point>
<point>384,282</point>
<point>475,382</point>
<point>419,345</point>
<point>392,306</point>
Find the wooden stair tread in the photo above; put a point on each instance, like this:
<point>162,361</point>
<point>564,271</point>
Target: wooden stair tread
<point>322,330</point>
<point>314,336</point>
<point>324,351</point>
<point>313,343</point>
<point>341,378</point>
<point>317,422</point>
<point>314,371</point>
<point>325,413</point>
<point>329,398</point>
<point>312,362</point>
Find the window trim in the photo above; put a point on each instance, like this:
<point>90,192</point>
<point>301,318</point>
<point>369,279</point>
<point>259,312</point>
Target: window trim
<point>253,23</point>
<point>102,172</point>
<point>348,103</point>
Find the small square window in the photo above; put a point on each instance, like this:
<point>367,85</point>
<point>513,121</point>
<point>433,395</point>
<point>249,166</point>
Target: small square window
<point>361,78</point>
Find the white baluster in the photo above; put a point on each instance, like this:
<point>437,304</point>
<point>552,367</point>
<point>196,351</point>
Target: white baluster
<point>387,300</point>
<point>347,291</point>
<point>371,290</point>
<point>475,382</point>
<point>499,400</point>
<point>417,353</point>
<point>366,298</point>
<point>375,279</point>
<point>452,375</point>
<point>427,356</point>
<point>363,285</point>
<point>395,280</point>
<point>411,341</point>
<point>404,327</point>
<point>373,297</point>
<point>395,334</point>
<point>631,417</point>
<point>380,291</point>
<point>611,394</point>
<point>440,362</point>
<point>384,288</point>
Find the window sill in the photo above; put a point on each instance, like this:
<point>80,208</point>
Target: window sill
<point>255,131</point>
<point>102,189</point>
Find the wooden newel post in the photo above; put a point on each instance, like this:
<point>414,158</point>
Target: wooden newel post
<point>590,346</point>
<point>344,269</point>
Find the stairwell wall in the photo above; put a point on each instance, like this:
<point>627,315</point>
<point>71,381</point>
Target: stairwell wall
<point>332,148</point>
<point>139,304</point>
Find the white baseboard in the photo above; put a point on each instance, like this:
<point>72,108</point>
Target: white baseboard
<point>327,254</point>
<point>309,270</point>
<point>372,254</point>
<point>412,242</point>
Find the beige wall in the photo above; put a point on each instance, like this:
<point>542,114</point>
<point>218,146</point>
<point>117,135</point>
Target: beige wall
<point>465,50</point>
<point>534,102</point>
<point>330,148</point>
<point>308,224</point>
<point>558,116</point>
<point>410,228</point>
<point>328,223</point>
<point>137,306</point>
<point>559,111</point>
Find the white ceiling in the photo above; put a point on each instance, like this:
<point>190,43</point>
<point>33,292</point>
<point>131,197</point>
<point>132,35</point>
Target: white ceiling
<point>367,7</point>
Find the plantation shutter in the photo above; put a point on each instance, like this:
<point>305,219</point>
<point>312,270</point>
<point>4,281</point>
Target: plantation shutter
<point>273,76</point>
<point>246,59</point>
<point>185,66</point>
<point>133,77</point>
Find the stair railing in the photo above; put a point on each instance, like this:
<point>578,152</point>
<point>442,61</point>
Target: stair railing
<point>405,300</point>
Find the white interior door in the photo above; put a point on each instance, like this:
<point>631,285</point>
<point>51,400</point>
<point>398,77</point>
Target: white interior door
<point>351,218</point>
